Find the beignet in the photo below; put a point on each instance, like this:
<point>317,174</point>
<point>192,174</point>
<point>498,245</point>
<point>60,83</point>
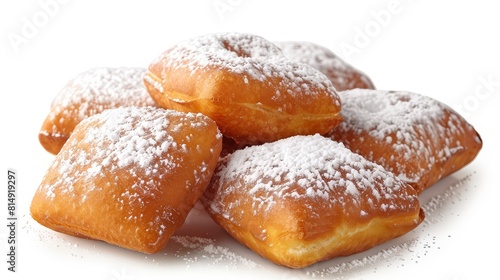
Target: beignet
<point>129,176</point>
<point>304,199</point>
<point>414,136</point>
<point>253,92</point>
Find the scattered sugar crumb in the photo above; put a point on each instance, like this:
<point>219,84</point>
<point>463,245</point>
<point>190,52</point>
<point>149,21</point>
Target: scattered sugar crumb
<point>440,201</point>
<point>206,249</point>
<point>389,253</point>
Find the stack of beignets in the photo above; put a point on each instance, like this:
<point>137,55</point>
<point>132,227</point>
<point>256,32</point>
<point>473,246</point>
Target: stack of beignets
<point>257,132</point>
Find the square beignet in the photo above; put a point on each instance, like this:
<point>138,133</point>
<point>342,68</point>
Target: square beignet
<point>416,137</point>
<point>244,83</point>
<point>305,199</point>
<point>129,176</point>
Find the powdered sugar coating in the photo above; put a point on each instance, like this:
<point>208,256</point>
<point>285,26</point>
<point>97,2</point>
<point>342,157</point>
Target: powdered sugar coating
<point>98,89</point>
<point>136,140</point>
<point>251,56</point>
<point>342,75</point>
<point>384,112</point>
<point>417,129</point>
<point>307,169</point>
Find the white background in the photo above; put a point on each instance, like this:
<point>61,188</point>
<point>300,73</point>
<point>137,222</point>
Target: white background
<point>447,50</point>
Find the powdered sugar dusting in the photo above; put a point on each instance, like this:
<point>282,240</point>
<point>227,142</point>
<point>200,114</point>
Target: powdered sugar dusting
<point>98,89</point>
<point>306,168</point>
<point>126,138</point>
<point>413,125</point>
<point>386,112</point>
<point>342,75</point>
<point>251,56</point>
